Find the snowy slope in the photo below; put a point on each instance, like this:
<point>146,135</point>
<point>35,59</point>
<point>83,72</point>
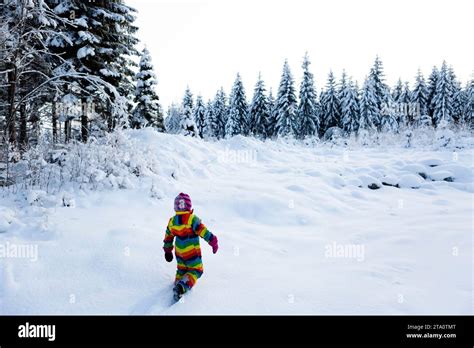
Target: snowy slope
<point>278,215</point>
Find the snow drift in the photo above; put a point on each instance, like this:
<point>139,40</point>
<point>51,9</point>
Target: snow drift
<point>303,229</point>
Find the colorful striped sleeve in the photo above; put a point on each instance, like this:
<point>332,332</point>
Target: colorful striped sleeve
<point>169,238</point>
<point>201,230</point>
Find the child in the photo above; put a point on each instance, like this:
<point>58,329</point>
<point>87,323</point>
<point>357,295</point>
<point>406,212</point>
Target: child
<point>187,228</point>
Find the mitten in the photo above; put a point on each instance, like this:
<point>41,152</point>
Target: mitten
<point>169,257</point>
<point>213,244</point>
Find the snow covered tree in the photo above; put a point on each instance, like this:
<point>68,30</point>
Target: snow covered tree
<point>432,82</point>
<point>419,98</point>
<point>237,122</point>
<point>309,110</point>
<point>397,91</point>
<point>330,105</point>
<point>350,113</point>
<point>173,119</point>
<point>286,105</point>
<point>272,120</point>
<point>220,113</point>
<point>187,124</point>
<point>368,106</point>
<point>98,43</point>
<point>147,112</point>
<point>259,110</point>
<point>210,129</point>
<point>442,102</point>
<point>468,112</point>
<point>381,90</point>
<point>25,63</point>
<point>457,96</point>
<point>199,113</point>
<point>343,83</point>
<point>404,107</point>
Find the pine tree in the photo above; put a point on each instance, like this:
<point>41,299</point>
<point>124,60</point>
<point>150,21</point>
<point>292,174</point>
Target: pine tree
<point>457,96</point>
<point>443,97</point>
<point>432,82</point>
<point>350,112</point>
<point>221,114</point>
<point>330,105</point>
<point>199,113</point>
<point>259,110</point>
<point>381,90</point>
<point>468,111</point>
<point>309,109</point>
<point>404,101</point>
<point>98,42</point>
<point>187,125</point>
<point>173,119</point>
<point>147,112</point>
<point>211,125</point>
<point>368,106</point>
<point>237,122</point>
<point>419,100</point>
<point>287,124</point>
<point>272,120</point>
<point>343,84</point>
<point>397,91</point>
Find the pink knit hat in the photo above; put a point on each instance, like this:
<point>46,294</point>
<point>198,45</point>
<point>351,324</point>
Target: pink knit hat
<point>182,202</point>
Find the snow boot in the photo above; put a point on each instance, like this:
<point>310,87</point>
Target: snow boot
<point>178,292</point>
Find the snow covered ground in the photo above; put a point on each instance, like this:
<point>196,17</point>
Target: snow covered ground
<point>299,231</point>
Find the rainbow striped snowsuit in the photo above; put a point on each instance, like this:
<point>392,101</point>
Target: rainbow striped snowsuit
<point>187,228</point>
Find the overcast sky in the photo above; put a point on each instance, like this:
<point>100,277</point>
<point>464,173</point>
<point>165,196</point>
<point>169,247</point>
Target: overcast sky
<point>204,43</point>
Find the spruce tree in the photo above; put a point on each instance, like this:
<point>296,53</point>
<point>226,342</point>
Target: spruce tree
<point>368,106</point>
<point>432,82</point>
<point>443,97</point>
<point>272,120</point>
<point>221,114</point>
<point>237,122</point>
<point>287,124</point>
<point>147,112</point>
<point>199,114</point>
<point>259,110</point>
<point>343,84</point>
<point>404,101</point>
<point>330,105</point>
<point>350,112</point>
<point>381,90</point>
<point>211,125</point>
<point>468,112</point>
<point>457,96</point>
<point>173,119</point>
<point>419,100</point>
<point>397,91</point>
<point>98,42</point>
<point>187,125</point>
<point>308,108</point>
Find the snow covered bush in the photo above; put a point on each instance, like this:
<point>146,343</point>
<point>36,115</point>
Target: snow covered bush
<point>444,135</point>
<point>114,161</point>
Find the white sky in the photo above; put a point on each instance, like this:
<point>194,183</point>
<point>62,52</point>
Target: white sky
<point>204,43</point>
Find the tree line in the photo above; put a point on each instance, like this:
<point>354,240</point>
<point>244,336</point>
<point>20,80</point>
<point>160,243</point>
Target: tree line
<point>67,71</point>
<point>342,107</point>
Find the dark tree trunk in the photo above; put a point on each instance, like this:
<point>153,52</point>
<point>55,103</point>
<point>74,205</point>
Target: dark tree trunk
<point>54,114</point>
<point>11,116</point>
<point>84,121</point>
<point>110,122</point>
<point>67,131</point>
<point>23,136</point>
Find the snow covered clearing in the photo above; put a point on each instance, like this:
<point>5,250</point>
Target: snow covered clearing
<point>299,229</point>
